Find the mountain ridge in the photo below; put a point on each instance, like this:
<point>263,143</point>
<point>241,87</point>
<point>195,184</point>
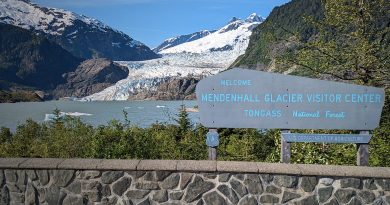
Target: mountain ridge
<point>82,36</point>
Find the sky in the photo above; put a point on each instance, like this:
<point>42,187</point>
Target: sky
<point>153,21</point>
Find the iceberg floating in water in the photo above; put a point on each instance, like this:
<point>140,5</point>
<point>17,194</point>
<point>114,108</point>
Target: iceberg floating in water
<point>50,117</point>
<point>160,106</point>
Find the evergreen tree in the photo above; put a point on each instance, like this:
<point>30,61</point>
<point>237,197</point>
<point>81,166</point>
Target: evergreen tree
<point>183,120</point>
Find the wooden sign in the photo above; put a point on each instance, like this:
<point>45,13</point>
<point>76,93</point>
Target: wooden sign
<point>241,98</point>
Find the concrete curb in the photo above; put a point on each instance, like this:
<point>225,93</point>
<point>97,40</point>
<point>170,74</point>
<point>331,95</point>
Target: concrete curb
<point>195,166</point>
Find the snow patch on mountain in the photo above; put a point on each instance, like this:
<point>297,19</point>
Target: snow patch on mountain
<point>171,42</point>
<point>234,36</point>
<point>49,20</point>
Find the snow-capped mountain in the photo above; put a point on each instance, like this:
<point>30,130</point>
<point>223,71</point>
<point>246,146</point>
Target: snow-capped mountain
<point>232,37</point>
<point>171,42</point>
<point>205,56</point>
<point>82,36</point>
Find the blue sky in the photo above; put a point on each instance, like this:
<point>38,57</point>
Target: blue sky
<point>153,21</point>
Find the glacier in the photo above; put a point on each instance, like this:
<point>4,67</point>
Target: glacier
<point>203,57</point>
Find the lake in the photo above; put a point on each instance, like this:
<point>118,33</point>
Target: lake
<point>141,113</point>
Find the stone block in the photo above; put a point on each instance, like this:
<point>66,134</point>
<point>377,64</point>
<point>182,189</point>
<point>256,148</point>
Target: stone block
<point>267,198</point>
<point>370,184</point>
<point>231,166</point>
<point>163,165</point>
<point>228,193</point>
<point>31,195</point>
<point>40,163</point>
<point>185,179</point>
<point>354,201</point>
<point>196,188</point>
<point>214,198</point>
<point>384,183</point>
<point>161,175</point>
<point>308,184</point>
<point>121,185</point>
<point>278,168</point>
<point>273,189</point>
<point>61,178</point>
<point>118,164</point>
<point>224,177</point>
<point>110,176</point>
<point>80,164</point>
<point>2,178</point>
<point>248,200</point>
<point>238,187</point>
<point>197,165</point>
<point>171,181</point>
<point>147,185</point>
<point>137,194</point>
<point>324,193</point>
<point>74,187</point>
<point>136,174</point>
<point>91,174</point>
<point>93,196</point>
<point>176,195</point>
<point>71,199</point>
<point>210,175</point>
<point>326,181</point>
<point>253,185</point>
<point>288,196</point>
<point>310,200</point>
<point>367,196</point>
<point>11,163</point>
<point>43,176</point>
<point>92,186</point>
<point>344,195</point>
<point>285,181</point>
<point>106,190</point>
<point>350,182</point>
<point>160,196</point>
<point>11,175</point>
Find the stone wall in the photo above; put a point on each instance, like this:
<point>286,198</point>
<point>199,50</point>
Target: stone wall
<point>95,181</point>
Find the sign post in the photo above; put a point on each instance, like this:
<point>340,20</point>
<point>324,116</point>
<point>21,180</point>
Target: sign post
<point>285,153</point>
<point>212,141</point>
<point>241,98</point>
<point>362,152</point>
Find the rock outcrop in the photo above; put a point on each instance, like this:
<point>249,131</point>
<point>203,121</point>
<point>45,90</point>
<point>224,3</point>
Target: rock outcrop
<point>91,76</point>
<point>170,89</point>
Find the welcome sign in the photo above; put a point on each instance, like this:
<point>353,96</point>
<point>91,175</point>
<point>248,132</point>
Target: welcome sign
<point>241,98</point>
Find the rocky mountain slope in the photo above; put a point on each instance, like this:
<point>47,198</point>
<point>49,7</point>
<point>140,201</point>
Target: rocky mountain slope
<point>31,60</point>
<point>190,60</point>
<point>91,76</point>
<point>29,63</point>
<point>274,37</point>
<point>82,36</point>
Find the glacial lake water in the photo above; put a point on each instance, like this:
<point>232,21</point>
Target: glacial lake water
<point>141,113</point>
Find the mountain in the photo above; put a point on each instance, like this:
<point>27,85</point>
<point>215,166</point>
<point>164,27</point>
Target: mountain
<point>31,60</point>
<point>233,37</point>
<point>32,68</point>
<point>274,37</point>
<point>82,36</point>
<point>173,76</point>
<point>171,42</point>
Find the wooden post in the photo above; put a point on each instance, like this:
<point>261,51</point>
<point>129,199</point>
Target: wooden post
<point>212,153</point>
<point>362,152</point>
<point>285,152</point>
